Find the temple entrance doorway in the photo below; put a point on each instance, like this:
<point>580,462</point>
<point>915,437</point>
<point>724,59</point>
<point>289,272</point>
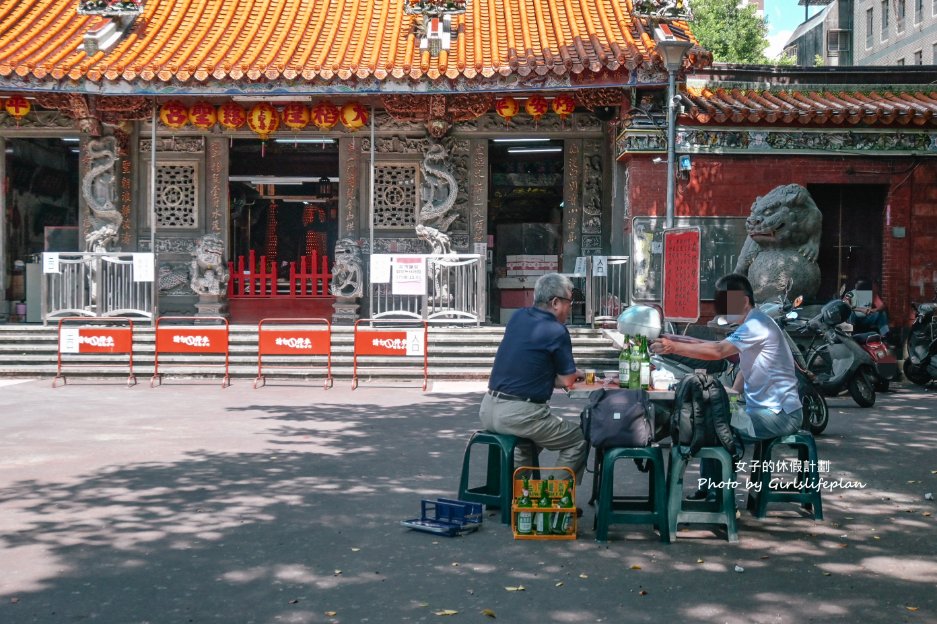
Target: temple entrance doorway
<point>851,243</point>
<point>525,219</point>
<point>284,198</point>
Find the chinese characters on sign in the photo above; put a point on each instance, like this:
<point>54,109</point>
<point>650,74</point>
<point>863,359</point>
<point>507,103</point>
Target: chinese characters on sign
<point>681,300</point>
<point>408,276</point>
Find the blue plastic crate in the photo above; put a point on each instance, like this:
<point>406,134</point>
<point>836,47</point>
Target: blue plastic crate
<point>446,516</point>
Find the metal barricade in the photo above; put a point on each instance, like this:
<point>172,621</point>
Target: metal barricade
<point>95,284</point>
<point>454,292</point>
<point>293,338</point>
<point>206,335</point>
<point>110,336</point>
<point>607,295</point>
<point>377,339</point>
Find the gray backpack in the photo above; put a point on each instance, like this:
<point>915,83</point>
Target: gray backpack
<point>618,418</point>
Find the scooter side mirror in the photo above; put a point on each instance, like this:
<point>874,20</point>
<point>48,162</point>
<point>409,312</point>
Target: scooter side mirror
<point>798,301</point>
<point>791,315</point>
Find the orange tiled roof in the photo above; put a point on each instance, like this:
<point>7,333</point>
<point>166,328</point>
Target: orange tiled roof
<point>916,107</point>
<point>187,41</point>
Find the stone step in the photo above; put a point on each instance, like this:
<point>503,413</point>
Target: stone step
<point>453,353</point>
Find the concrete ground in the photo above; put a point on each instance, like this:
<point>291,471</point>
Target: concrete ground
<point>192,503</point>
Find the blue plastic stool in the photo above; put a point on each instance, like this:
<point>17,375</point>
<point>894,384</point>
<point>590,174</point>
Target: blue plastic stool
<point>498,490</point>
<point>612,509</point>
<point>680,511</point>
<point>808,497</point>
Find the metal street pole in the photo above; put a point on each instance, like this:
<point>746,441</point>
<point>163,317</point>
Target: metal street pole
<point>672,51</point>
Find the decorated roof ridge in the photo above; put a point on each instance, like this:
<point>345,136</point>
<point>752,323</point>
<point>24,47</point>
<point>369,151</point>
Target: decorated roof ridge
<point>186,42</point>
<point>794,104</point>
<point>697,84</point>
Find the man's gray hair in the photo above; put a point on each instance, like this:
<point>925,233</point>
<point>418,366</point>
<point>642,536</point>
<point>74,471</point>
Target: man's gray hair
<point>552,285</point>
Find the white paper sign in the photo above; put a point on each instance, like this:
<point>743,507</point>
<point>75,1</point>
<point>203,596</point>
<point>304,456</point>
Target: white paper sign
<point>380,268</point>
<point>599,266</point>
<point>68,341</point>
<point>580,266</point>
<point>408,276</point>
<point>143,267</point>
<point>50,263</point>
<point>481,249</point>
<point>415,344</point>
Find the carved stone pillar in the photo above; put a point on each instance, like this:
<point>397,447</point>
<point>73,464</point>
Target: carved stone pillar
<point>349,163</point>
<point>572,203</point>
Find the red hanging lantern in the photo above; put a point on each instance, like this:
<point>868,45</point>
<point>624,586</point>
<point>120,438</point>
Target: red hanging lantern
<point>536,106</point>
<point>295,116</point>
<point>264,120</point>
<point>563,105</point>
<point>353,116</point>
<point>17,107</point>
<point>173,114</point>
<point>231,116</point>
<point>202,115</point>
<point>506,107</point>
<point>325,115</point>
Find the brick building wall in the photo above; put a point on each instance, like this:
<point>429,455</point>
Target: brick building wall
<point>724,185</point>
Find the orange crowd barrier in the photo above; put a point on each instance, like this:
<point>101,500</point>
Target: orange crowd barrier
<point>186,334</point>
<point>295,339</point>
<point>380,338</point>
<point>79,335</point>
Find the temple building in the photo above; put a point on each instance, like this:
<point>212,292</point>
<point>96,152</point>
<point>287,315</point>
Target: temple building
<point>291,158</point>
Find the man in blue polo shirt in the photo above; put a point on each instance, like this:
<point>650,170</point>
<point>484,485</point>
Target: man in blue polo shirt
<point>536,356</point>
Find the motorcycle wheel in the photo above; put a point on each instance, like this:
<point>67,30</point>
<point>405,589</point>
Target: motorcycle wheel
<point>861,389</point>
<point>916,375</point>
<point>816,412</point>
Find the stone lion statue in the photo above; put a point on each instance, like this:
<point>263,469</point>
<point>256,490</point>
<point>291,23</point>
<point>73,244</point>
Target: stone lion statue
<point>209,276</point>
<point>348,271</point>
<point>783,244</point>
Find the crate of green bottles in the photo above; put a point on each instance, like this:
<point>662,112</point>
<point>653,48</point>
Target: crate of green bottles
<point>544,509</point>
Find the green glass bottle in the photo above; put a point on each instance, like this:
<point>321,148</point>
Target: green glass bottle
<point>634,366</point>
<point>645,370</point>
<point>542,518</point>
<point>624,366</point>
<point>525,519</point>
<point>562,521</point>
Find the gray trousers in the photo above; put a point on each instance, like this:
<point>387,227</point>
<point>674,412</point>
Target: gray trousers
<point>535,422</point>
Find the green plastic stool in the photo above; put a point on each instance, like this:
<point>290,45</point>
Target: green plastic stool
<point>808,497</point>
<point>613,509</point>
<point>679,511</point>
<point>498,490</point>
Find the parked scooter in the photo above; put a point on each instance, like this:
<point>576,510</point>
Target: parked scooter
<point>835,360</point>
<point>920,365</point>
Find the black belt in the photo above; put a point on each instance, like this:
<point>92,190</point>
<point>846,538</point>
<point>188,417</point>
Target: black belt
<point>510,397</point>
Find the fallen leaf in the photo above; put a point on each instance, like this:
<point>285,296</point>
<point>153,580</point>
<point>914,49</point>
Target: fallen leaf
<point>926,513</point>
<point>294,600</point>
<point>913,481</point>
<point>843,545</point>
<point>455,564</point>
<point>876,537</point>
<point>933,471</point>
<point>699,561</point>
<point>489,613</point>
<point>635,567</point>
<point>353,549</point>
<point>911,608</point>
<point>642,593</point>
<point>559,584</point>
<point>518,588</point>
<point>423,604</point>
<point>583,575</point>
<point>764,557</point>
<point>827,574</point>
<point>445,612</point>
<point>739,568</point>
<point>337,572</point>
<point>331,613</point>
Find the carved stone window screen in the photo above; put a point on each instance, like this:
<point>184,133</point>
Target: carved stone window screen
<point>396,195</point>
<point>177,195</point>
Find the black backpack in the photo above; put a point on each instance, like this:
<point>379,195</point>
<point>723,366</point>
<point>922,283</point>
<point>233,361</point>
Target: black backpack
<point>618,418</point>
<point>701,416</point>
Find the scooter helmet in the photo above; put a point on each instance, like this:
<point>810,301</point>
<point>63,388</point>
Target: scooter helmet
<point>835,312</point>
